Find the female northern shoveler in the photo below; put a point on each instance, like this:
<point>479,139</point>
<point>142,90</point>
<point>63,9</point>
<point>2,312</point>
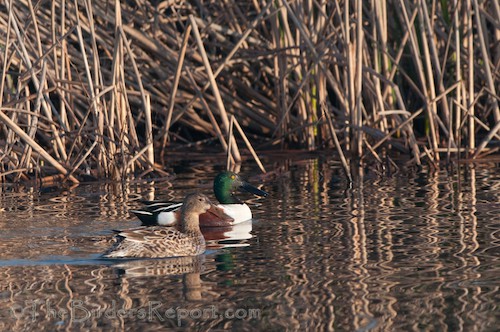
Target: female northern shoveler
<point>229,212</point>
<point>161,242</point>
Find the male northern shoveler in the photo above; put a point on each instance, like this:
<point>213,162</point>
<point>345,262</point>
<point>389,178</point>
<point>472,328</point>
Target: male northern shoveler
<point>161,242</point>
<point>229,212</point>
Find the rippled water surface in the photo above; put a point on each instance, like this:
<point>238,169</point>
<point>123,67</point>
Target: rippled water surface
<point>413,251</point>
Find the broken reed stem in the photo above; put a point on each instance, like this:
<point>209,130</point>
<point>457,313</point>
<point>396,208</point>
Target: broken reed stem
<point>215,88</point>
<point>229,144</point>
<point>83,158</point>
<point>247,142</point>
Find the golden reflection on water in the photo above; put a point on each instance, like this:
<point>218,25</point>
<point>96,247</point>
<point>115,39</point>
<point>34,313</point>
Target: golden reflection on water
<point>408,252</point>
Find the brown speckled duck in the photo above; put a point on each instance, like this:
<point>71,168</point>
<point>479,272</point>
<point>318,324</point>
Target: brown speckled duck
<point>162,242</point>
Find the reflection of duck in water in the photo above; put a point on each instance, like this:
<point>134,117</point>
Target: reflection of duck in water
<point>229,212</point>
<point>160,242</point>
<point>228,236</point>
<point>144,273</point>
<point>171,266</point>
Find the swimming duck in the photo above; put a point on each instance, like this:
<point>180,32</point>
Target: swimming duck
<point>162,242</point>
<point>229,212</point>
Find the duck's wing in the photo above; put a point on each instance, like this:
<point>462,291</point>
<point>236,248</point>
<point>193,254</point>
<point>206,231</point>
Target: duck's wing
<point>157,201</point>
<point>155,208</point>
<point>148,234</point>
<point>154,242</point>
<point>158,213</point>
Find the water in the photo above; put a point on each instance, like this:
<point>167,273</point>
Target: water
<point>418,250</point>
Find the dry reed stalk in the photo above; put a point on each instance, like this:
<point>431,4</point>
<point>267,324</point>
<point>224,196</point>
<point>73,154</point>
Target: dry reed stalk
<point>240,42</point>
<point>484,51</point>
<point>175,84</point>
<point>26,58</point>
<point>429,83</point>
<point>8,122</point>
<point>33,121</point>
<point>149,131</point>
<point>145,100</point>
<point>213,121</point>
<point>280,78</point>
<point>458,100</point>
<point>230,138</point>
<point>99,130</point>
<point>335,139</point>
<point>470,64</point>
<point>248,144</point>
<point>434,65</point>
<point>83,158</point>
<point>215,89</point>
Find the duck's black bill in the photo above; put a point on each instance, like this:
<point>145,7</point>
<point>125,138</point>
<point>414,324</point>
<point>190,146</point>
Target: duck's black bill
<point>251,189</point>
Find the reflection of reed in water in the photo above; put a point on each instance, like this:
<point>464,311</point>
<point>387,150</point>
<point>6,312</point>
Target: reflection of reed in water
<point>410,252</point>
<point>41,297</point>
<point>377,256</point>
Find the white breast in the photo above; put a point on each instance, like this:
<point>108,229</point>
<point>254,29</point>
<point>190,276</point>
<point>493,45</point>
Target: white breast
<point>239,212</point>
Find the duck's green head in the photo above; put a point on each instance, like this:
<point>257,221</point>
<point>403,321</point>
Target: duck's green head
<point>226,183</point>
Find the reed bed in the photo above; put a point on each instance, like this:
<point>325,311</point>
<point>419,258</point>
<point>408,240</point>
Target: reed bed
<point>102,88</point>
